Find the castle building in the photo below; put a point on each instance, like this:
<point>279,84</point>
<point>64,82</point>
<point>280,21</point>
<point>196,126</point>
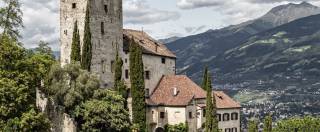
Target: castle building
<point>171,98</point>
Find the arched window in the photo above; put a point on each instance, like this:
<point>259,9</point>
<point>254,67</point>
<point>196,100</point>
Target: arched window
<point>234,116</point>
<point>226,117</point>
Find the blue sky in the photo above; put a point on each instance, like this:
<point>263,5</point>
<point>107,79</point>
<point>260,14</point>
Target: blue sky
<point>160,18</point>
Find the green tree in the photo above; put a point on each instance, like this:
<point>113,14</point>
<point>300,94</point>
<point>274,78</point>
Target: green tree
<point>20,74</point>
<point>211,124</point>
<point>253,126</point>
<point>182,127</point>
<point>118,82</point>
<point>298,124</point>
<point>76,48</point>
<point>87,44</point>
<point>267,126</point>
<point>137,86</point>
<point>205,79</point>
<point>70,86</point>
<point>95,114</point>
<point>11,18</point>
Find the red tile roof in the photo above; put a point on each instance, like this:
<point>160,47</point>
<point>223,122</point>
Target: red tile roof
<point>187,89</point>
<point>148,44</point>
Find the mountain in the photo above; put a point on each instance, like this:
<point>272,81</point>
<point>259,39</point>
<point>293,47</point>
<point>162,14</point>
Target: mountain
<point>169,40</point>
<point>197,50</point>
<point>287,54</point>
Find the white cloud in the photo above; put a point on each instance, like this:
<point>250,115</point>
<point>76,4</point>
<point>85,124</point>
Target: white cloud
<point>191,4</point>
<point>138,12</point>
<point>41,21</point>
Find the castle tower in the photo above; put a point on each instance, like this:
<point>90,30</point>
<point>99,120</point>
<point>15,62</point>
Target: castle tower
<point>106,28</point>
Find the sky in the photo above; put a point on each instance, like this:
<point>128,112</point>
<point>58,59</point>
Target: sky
<point>159,18</point>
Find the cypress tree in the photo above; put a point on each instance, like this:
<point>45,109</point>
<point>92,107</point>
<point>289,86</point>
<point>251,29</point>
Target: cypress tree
<point>267,126</point>
<point>211,124</point>
<point>75,48</point>
<point>205,77</point>
<point>118,82</point>
<point>87,45</point>
<point>137,86</point>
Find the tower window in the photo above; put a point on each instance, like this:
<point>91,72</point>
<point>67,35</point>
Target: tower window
<point>103,67</point>
<point>190,115</point>
<point>74,5</point>
<point>102,28</point>
<point>147,93</point>
<point>112,66</point>
<point>147,74</point>
<point>127,73</point>
<point>106,8</point>
<point>163,60</point>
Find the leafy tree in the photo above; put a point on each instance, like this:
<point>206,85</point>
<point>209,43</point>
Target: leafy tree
<point>20,74</point>
<point>182,127</point>
<point>211,124</point>
<point>11,18</point>
<point>75,48</point>
<point>87,44</point>
<point>267,124</point>
<point>70,86</point>
<point>29,121</point>
<point>253,126</point>
<point>306,124</point>
<point>137,86</point>
<point>95,114</point>
<point>44,49</point>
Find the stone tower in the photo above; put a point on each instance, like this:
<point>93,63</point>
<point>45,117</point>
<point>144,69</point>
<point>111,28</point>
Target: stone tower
<point>106,28</point>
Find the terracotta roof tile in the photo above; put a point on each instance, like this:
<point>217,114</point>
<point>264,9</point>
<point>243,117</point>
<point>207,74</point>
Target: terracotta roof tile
<point>149,45</point>
<point>224,101</point>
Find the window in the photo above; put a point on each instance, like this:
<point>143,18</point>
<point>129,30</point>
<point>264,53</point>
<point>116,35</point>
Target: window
<point>102,28</point>
<point>126,60</point>
<point>227,130</point>
<point>147,74</point>
<point>112,66</point>
<point>219,117</point>
<point>66,32</point>
<point>74,5</point>
<point>234,116</point>
<point>226,117</point>
<point>190,115</point>
<point>103,67</point>
<point>147,92</point>
<point>234,129</point>
<point>106,9</point>
<point>161,115</point>
<point>127,73</point>
<point>163,60</point>
<point>204,112</point>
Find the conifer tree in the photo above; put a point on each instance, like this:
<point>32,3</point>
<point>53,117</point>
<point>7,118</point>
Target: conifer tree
<point>137,86</point>
<point>205,77</point>
<point>211,124</point>
<point>75,48</point>
<point>118,82</point>
<point>87,45</point>
<point>267,126</point>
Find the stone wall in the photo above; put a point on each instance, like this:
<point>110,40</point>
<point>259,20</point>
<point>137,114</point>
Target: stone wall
<point>60,121</point>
